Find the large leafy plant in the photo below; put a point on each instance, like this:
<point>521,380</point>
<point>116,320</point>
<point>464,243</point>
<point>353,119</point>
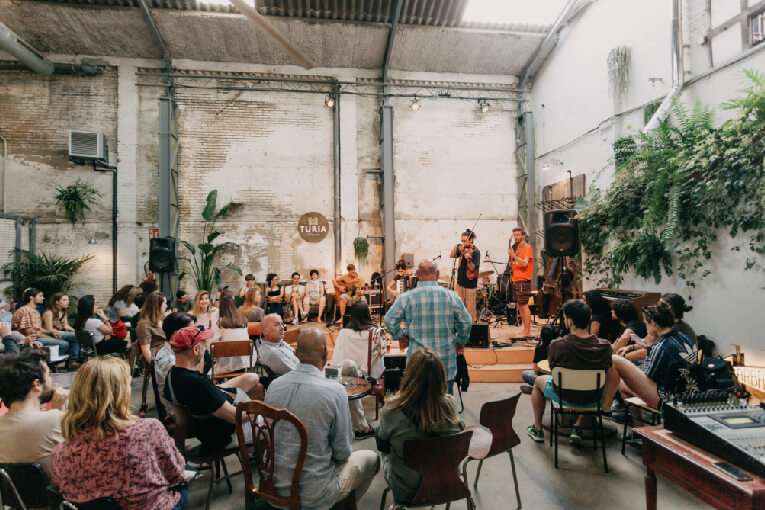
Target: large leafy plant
<point>205,272</point>
<point>675,189</point>
<point>46,272</point>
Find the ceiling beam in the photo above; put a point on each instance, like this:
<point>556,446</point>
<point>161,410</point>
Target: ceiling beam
<point>389,45</point>
<point>146,12</point>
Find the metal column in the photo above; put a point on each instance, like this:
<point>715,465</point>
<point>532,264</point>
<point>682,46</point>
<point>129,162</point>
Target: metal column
<point>525,159</point>
<point>336,220</point>
<point>168,190</point>
<point>389,220</point>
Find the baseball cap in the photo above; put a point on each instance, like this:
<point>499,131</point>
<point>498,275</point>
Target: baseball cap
<point>186,338</point>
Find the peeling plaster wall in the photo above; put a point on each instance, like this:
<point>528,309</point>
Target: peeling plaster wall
<point>576,125</point>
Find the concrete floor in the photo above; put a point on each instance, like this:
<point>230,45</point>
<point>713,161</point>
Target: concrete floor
<point>579,483</point>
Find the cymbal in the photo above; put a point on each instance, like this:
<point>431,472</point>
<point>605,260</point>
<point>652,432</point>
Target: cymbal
<point>483,274</point>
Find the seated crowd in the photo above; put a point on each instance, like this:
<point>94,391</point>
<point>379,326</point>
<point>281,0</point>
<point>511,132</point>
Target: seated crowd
<point>92,447</point>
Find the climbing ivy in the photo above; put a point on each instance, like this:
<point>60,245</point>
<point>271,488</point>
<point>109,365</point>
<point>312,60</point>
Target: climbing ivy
<point>675,189</point>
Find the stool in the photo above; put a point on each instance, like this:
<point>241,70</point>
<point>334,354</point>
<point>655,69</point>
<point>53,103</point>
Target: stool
<point>641,407</point>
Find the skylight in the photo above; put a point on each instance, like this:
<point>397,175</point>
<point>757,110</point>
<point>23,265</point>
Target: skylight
<point>531,12</point>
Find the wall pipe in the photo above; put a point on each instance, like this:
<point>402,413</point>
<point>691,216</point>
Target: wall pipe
<point>113,170</point>
<point>336,158</point>
<point>677,74</point>
<point>11,43</point>
<point>5,169</point>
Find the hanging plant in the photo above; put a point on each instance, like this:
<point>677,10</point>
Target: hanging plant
<point>361,248</point>
<point>74,200</point>
<point>619,71</point>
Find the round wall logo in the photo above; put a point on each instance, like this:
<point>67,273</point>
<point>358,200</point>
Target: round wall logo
<point>313,227</point>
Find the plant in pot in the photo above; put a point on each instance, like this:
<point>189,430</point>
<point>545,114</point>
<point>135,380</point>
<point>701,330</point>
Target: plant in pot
<point>204,271</point>
<point>361,248</point>
<point>46,272</point>
<point>75,200</point>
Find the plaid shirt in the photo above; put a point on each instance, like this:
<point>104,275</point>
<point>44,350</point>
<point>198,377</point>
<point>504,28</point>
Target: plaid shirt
<point>435,317</point>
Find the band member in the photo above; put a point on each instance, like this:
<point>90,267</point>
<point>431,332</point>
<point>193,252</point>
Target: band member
<point>398,284</point>
<point>522,261</point>
<point>467,272</point>
<point>349,288</point>
<point>295,295</point>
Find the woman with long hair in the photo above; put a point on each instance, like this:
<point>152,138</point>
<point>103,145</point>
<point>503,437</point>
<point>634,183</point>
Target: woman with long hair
<point>352,350</point>
<point>206,313</point>
<point>274,295</point>
<point>420,409</point>
<point>108,452</point>
<point>251,306</point>
<point>148,332</point>
<point>233,326</point>
<point>679,307</point>
<point>56,324</point>
<point>602,325</point>
<point>122,301</point>
<point>92,319</point>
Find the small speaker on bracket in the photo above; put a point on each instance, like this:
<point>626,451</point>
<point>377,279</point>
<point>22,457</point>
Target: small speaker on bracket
<point>162,254</point>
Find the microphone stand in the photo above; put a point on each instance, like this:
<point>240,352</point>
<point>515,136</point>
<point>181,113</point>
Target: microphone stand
<point>383,295</point>
<point>454,269</point>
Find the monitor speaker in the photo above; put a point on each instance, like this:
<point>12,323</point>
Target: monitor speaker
<point>561,233</point>
<point>479,335</point>
<point>162,254</point>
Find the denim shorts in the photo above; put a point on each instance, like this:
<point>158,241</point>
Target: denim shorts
<point>549,393</point>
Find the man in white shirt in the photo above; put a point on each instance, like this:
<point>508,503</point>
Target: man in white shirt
<point>295,295</point>
<point>273,351</point>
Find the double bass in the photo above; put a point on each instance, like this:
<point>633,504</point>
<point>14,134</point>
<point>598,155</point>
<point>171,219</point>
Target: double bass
<point>559,284</point>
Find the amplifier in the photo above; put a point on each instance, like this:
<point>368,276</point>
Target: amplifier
<point>715,421</point>
<point>479,335</point>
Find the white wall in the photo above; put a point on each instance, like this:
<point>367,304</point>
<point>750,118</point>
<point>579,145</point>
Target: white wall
<point>576,125</point>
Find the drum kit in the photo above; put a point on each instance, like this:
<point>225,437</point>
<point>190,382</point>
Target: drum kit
<point>496,299</point>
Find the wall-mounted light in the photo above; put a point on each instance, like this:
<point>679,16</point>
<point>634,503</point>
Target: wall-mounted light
<point>415,105</point>
<point>483,105</point>
<point>92,239</point>
<point>329,101</point>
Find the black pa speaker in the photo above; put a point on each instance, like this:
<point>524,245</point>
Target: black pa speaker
<point>561,233</point>
<point>162,254</point>
<point>479,335</point>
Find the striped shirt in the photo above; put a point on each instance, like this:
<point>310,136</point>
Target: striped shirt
<point>435,317</point>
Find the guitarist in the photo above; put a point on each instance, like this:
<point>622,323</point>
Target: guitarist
<point>469,259</point>
<point>349,288</point>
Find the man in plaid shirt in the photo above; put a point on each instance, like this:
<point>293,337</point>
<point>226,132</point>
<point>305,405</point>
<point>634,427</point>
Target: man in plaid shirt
<point>435,317</point>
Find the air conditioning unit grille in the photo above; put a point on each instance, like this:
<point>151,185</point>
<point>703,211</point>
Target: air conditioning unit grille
<point>85,144</point>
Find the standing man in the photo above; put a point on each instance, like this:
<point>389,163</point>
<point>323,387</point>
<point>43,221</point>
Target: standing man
<point>522,261</point>
<point>349,288</point>
<point>435,317</point>
<point>467,271</point>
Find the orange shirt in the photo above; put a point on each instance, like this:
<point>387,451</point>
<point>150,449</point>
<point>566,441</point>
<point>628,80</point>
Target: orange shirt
<point>521,273</point>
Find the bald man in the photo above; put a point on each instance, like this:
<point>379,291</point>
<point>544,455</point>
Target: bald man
<point>273,351</point>
<point>331,470</point>
<point>435,317</point>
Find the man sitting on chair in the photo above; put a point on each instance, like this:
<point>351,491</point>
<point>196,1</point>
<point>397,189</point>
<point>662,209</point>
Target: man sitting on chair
<point>273,351</point>
<point>577,351</point>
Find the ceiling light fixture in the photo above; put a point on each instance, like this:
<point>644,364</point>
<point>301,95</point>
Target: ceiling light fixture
<point>329,102</point>
<point>483,105</point>
<point>415,105</point>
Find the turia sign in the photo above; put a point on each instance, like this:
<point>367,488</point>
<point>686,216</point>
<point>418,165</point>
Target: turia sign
<point>313,227</point>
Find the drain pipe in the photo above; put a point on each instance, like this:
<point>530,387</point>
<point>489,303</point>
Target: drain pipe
<point>11,43</point>
<point>677,73</point>
<point>5,170</point>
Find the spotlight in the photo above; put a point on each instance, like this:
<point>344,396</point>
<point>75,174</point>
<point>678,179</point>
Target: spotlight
<point>329,102</point>
<point>415,105</point>
<point>483,105</point>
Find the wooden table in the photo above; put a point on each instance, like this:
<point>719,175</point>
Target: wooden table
<point>355,387</point>
<point>692,468</point>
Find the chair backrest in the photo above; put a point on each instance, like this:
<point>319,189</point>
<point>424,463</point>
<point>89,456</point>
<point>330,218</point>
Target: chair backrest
<point>230,349</point>
<point>262,441</point>
<point>291,336</point>
<point>85,339</point>
<point>254,329</point>
<point>161,411</point>
<point>437,460</point>
<point>578,386</point>
<point>498,417</point>
<point>185,426</point>
<point>24,481</point>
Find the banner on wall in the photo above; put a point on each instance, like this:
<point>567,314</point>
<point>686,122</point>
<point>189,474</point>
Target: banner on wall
<point>313,227</point>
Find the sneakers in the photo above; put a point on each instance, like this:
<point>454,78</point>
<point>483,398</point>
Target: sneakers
<point>362,434</point>
<point>575,438</point>
<point>537,434</point>
<point>525,388</point>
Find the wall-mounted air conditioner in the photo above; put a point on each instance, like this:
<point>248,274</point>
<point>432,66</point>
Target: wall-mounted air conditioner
<point>87,145</point>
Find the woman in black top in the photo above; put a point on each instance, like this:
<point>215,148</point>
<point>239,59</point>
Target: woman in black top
<point>602,325</point>
<point>626,313</point>
<point>274,297</point>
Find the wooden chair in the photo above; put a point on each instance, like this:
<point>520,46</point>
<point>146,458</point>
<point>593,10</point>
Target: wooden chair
<point>255,330</point>
<point>143,371</point>
<point>377,390</point>
<point>589,385</point>
<point>162,413</point>
<point>230,349</point>
<point>262,442</point>
<point>437,460</point>
<point>637,404</point>
<point>186,428</point>
<point>291,336</point>
<point>22,485</point>
<point>498,417</point>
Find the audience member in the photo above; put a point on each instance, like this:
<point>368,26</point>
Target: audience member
<point>182,303</point>
<point>149,286</point>
<point>249,284</point>
<point>10,344</point>
<point>110,453</point>
<point>626,314</point>
<point>92,319</point>
<point>579,350</point>
<point>435,317</point>
<point>331,470</point>
<point>352,349</point>
<point>274,295</point>
<point>56,323</point>
<point>316,294</point>
<point>233,326</point>
<point>677,305</point>
<point>546,335</point>
<point>295,295</point>
<point>206,314</point>
<point>122,301</point>
<point>349,288</point>
<point>251,307</point>
<point>148,332</point>
<point>420,409</point>
<point>273,351</point>
<point>138,301</point>
<point>26,433</point>
<point>28,322</point>
<point>213,407</point>
<point>602,324</point>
